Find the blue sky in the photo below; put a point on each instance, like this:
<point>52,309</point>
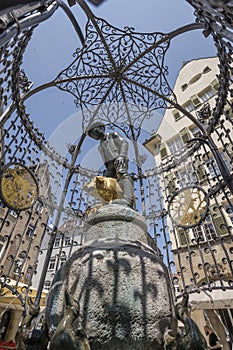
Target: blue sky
<point>55,40</point>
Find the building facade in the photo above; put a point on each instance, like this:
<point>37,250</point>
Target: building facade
<point>21,236</point>
<point>200,226</point>
<point>69,237</point>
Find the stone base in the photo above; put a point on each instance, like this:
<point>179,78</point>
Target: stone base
<point>116,221</point>
<point>122,287</point>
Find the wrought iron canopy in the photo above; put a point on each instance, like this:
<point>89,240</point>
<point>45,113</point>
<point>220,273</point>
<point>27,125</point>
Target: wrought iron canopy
<point>120,76</point>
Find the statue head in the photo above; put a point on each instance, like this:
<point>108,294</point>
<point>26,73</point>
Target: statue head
<point>96,130</point>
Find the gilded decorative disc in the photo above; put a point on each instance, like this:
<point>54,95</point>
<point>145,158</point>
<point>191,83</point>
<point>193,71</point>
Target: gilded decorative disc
<point>18,186</point>
<point>188,206</point>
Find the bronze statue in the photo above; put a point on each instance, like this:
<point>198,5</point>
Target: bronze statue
<point>114,152</point>
<point>24,330</point>
<point>192,339</point>
<point>67,336</point>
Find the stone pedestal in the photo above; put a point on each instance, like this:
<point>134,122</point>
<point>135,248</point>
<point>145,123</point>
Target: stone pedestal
<point>121,284</point>
<point>116,221</point>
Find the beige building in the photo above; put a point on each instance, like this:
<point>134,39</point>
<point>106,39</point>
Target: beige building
<point>68,238</point>
<point>202,253</point>
<point>21,235</point>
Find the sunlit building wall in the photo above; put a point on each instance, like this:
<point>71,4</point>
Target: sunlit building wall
<point>195,86</point>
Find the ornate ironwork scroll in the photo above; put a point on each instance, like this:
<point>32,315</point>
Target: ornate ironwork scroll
<point>110,74</point>
<point>188,206</point>
<point>119,77</point>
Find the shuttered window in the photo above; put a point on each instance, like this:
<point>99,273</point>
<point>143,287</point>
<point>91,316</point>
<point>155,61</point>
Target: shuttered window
<point>218,221</point>
<point>185,134</point>
<point>195,100</point>
<point>163,151</point>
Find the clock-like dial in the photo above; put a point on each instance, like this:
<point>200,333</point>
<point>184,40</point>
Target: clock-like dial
<point>18,186</point>
<point>188,206</point>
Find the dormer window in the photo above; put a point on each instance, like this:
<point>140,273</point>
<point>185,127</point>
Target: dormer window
<point>195,78</point>
<point>206,70</point>
<point>176,115</point>
<point>215,85</point>
<point>184,87</point>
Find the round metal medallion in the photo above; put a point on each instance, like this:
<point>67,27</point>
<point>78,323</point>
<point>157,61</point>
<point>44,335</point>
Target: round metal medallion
<point>188,206</point>
<point>18,186</point>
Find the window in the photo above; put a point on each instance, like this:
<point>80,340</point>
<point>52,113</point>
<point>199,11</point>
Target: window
<point>186,177</point>
<point>39,208</point>
<point>212,168</point>
<point>19,264</point>
<point>52,263</point>
<point>185,135</point>
<point>219,225</point>
<point>63,260</point>
<point>204,232</point>
<point>206,94</point>
<point>188,106</point>
<point>195,78</point>
<point>199,170</point>
<point>30,231</point>
<point>163,151</point>
<point>184,87</point>
<point>2,204</point>
<point>13,213</point>
<point>17,268</point>
<point>175,145</point>
<point>47,285</point>
<point>177,115</point>
<point>206,70</point>
<point>215,85</point>
<point>170,183</point>
<point>183,236</point>
<point>29,273</point>
<point>195,100</point>
<point>57,242</point>
<point>218,221</point>
<point>196,131</point>
<point>67,241</point>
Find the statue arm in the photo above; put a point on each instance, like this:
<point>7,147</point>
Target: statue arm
<point>124,149</point>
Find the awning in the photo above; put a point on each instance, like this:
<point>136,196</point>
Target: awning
<point>9,295</point>
<point>216,299</point>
